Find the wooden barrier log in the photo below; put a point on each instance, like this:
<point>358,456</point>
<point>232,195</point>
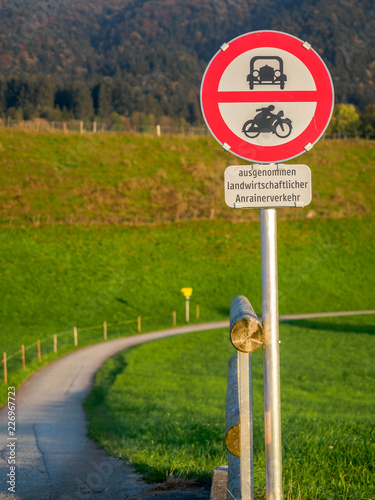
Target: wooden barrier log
<point>234,478</point>
<point>232,418</point>
<point>246,331</point>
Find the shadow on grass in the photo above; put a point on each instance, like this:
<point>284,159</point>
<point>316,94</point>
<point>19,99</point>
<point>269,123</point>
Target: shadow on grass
<point>336,327</point>
<point>115,365</point>
<point>225,311</point>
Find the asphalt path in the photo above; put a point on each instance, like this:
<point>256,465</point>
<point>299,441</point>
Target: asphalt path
<point>54,457</point>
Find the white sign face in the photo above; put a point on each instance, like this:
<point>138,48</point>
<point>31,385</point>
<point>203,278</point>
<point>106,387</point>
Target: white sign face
<point>243,117</point>
<point>267,186</point>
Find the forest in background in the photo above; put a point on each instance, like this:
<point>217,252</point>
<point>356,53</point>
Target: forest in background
<point>70,59</point>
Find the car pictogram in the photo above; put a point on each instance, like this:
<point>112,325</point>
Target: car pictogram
<point>266,75</point>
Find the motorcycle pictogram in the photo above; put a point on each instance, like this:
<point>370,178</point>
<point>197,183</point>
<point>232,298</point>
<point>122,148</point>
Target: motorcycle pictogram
<point>266,121</point>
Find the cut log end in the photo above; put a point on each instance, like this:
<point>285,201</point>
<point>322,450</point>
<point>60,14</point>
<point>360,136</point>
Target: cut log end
<point>247,335</point>
<point>232,440</point>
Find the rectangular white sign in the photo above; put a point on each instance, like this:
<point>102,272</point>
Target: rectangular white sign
<point>267,186</point>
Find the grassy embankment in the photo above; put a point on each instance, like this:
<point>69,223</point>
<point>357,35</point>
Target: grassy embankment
<point>110,227</point>
<point>165,402</point>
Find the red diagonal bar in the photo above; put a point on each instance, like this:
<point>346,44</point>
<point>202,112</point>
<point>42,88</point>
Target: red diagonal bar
<point>268,96</point>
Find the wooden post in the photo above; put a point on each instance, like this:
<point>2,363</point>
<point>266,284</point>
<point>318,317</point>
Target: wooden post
<point>174,318</point>
<point>39,353</point>
<point>197,311</point>
<point>23,356</point>
<point>246,331</point>
<point>55,343</point>
<point>75,336</point>
<point>245,396</point>
<point>239,427</point>
<point>94,127</point>
<point>234,479</point>
<point>64,128</point>
<point>158,130</point>
<point>105,330</point>
<point>4,360</point>
<point>232,417</point>
<point>81,127</point>
<point>139,324</point>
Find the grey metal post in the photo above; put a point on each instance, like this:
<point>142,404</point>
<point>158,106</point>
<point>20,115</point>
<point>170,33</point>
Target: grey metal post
<point>187,312</point>
<point>271,363</point>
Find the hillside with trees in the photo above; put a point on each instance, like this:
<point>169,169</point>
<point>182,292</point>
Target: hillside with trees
<point>65,59</point>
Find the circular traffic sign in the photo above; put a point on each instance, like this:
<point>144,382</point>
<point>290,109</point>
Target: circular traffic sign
<point>267,96</point>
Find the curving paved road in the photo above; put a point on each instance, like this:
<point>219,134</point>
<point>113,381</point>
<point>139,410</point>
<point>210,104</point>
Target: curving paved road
<point>54,457</point>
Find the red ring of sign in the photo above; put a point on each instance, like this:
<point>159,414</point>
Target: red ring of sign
<point>211,97</point>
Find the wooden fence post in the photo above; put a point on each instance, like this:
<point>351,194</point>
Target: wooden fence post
<point>245,397</point>
<point>234,481</point>
<point>105,330</point>
<point>23,356</point>
<point>55,343</point>
<point>246,335</point>
<point>139,324</point>
<point>39,353</point>
<point>174,318</point>
<point>4,360</point>
<point>75,336</point>
<point>232,416</point>
<point>197,311</point>
<point>94,127</point>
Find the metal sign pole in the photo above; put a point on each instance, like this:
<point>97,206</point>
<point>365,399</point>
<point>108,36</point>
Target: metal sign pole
<point>271,364</point>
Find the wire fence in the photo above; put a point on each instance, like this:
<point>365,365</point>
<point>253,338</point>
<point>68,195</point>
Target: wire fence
<point>28,357</point>
<point>106,125</point>
<point>42,125</point>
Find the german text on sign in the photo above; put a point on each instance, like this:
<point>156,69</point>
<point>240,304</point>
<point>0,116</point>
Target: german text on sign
<point>267,186</point>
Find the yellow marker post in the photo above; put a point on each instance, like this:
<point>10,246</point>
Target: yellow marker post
<point>187,294</point>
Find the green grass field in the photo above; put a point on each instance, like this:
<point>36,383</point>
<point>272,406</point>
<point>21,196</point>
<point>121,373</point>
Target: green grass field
<point>111,227</point>
<point>166,404</point>
<point>49,179</point>
<point>58,277</point>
